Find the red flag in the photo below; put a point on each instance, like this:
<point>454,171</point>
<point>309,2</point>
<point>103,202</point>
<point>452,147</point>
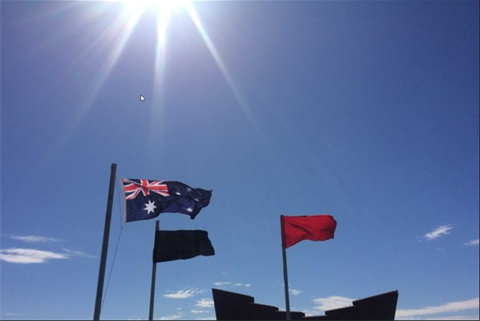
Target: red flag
<point>313,227</point>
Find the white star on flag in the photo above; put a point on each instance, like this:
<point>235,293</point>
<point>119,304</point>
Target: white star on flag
<point>150,207</point>
<point>189,210</point>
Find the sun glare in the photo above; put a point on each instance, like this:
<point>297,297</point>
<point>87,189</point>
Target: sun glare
<point>114,38</point>
<point>138,7</point>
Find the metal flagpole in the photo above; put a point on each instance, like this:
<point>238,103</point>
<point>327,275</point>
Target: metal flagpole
<point>106,235</point>
<point>285,273</point>
<point>285,278</point>
<point>154,276</point>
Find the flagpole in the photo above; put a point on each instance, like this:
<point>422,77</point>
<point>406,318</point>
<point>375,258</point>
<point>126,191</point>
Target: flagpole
<point>154,276</point>
<point>285,277</point>
<point>285,273</point>
<point>106,235</point>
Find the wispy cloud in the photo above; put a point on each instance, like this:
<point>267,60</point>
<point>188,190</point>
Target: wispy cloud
<point>247,285</point>
<point>13,314</point>
<point>446,308</point>
<point>455,317</point>
<point>33,239</point>
<point>182,294</point>
<point>439,231</point>
<point>226,284</point>
<point>199,311</point>
<point>171,317</point>
<point>205,303</point>
<point>78,253</point>
<point>332,302</point>
<point>29,256</point>
<point>295,292</point>
<point>472,243</point>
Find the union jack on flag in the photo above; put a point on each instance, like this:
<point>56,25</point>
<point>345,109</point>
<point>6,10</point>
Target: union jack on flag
<point>132,189</point>
<point>146,199</point>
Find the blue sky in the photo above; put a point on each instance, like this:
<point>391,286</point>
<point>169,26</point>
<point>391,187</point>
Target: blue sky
<point>367,111</point>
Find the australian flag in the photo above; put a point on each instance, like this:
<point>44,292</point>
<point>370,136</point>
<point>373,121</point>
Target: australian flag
<point>146,199</point>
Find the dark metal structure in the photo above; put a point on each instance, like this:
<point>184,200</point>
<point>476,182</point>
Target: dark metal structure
<point>235,306</point>
<point>106,237</point>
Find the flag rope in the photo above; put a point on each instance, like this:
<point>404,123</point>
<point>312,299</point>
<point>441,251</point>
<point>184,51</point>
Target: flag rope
<point>116,247</point>
<point>111,268</point>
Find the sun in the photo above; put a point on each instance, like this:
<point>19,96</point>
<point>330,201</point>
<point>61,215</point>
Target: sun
<point>163,7</point>
<point>117,34</point>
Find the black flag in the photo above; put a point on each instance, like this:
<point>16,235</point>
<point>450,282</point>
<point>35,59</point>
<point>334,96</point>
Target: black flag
<point>181,245</point>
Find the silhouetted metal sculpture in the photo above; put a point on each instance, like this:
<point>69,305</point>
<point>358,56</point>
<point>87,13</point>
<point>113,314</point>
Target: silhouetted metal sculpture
<point>235,306</point>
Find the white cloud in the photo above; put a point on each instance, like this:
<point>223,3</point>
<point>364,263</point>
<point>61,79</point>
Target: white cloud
<point>446,308</point>
<point>455,317</point>
<point>295,292</point>
<point>205,303</point>
<point>332,302</point>
<point>247,285</point>
<point>207,318</point>
<point>472,243</point>
<point>28,256</point>
<point>171,317</point>
<point>199,311</point>
<point>226,284</point>
<point>78,253</point>
<point>33,239</point>
<point>439,231</point>
<point>309,313</point>
<point>13,314</point>
<point>182,294</point>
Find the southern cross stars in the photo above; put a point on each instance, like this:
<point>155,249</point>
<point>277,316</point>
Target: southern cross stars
<point>150,207</point>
